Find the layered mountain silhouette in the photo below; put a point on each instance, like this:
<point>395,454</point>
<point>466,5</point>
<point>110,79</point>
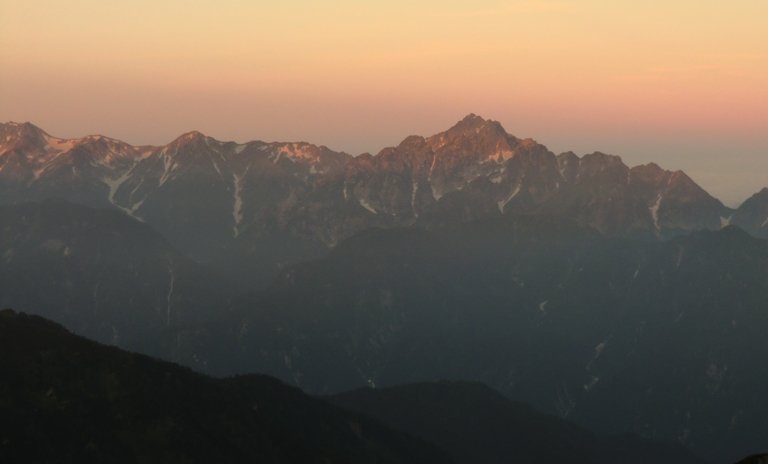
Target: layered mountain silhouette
<point>624,299</point>
<point>474,423</point>
<point>660,339</point>
<point>755,459</point>
<point>68,399</point>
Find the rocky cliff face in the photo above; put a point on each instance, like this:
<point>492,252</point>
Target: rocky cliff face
<point>210,197</point>
<point>475,169</point>
<point>36,166</point>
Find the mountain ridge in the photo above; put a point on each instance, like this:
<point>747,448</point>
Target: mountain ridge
<point>221,200</point>
<point>69,399</point>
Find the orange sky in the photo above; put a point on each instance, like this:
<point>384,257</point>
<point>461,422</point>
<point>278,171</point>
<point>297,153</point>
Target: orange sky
<point>682,83</point>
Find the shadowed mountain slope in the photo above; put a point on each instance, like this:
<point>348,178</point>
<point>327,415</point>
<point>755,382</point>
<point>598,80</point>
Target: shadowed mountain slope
<point>198,192</point>
<point>660,339</point>
<point>102,274</point>
<point>67,399</point>
<point>755,459</point>
<point>475,423</point>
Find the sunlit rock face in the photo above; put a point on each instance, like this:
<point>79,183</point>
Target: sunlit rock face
<point>36,166</point>
<point>199,192</point>
<point>475,169</point>
<point>214,199</point>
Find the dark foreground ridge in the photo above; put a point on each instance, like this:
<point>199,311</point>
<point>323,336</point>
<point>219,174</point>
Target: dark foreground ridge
<point>474,423</point>
<point>755,459</point>
<point>64,398</point>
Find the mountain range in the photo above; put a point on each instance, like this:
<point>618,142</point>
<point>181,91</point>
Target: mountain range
<point>286,202</point>
<point>660,339</point>
<point>627,300</point>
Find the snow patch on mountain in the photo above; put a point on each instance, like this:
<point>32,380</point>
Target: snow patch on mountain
<point>592,382</point>
<point>237,211</point>
<point>133,209</point>
<point>115,184</point>
<point>55,145</point>
<point>367,206</point>
<point>54,148</point>
<point>170,291</point>
<point>435,194</point>
<point>655,211</point>
<point>167,160</point>
<point>503,203</point>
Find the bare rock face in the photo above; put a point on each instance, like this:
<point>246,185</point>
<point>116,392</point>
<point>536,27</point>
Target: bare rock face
<point>472,170</point>
<point>37,166</point>
<point>617,200</point>
<point>197,191</point>
<point>454,176</point>
<point>211,197</point>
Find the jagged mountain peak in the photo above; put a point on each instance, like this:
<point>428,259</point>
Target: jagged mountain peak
<point>192,138</point>
<point>649,172</point>
<point>473,121</point>
<point>681,179</point>
<point>19,127</point>
<point>471,131</point>
<point>603,158</point>
<point>17,134</point>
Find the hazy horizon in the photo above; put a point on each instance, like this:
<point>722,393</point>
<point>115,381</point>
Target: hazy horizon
<point>682,84</point>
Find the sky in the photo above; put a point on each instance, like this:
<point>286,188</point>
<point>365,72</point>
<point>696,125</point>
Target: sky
<point>680,83</point>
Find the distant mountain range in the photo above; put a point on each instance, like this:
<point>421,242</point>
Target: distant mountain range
<point>286,202</point>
